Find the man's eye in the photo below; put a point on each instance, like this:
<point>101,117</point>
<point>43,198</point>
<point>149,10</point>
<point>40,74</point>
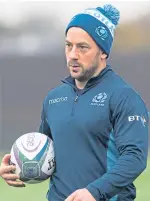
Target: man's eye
<point>83,47</point>
<point>68,45</point>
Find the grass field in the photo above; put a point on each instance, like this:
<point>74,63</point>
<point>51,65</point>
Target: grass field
<point>37,192</point>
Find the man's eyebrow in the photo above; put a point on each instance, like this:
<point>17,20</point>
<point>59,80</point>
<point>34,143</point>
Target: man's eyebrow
<point>67,41</point>
<point>83,43</point>
<point>80,43</point>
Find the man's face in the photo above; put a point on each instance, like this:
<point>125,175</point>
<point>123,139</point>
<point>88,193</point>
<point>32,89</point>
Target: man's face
<point>82,54</point>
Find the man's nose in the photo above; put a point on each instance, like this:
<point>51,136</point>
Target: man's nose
<point>74,54</point>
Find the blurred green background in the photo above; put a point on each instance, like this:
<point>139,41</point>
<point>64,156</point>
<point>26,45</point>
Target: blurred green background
<point>37,192</point>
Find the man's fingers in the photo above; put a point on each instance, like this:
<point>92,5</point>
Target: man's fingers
<point>9,176</point>
<point>15,183</point>
<point>6,159</point>
<point>71,197</point>
<point>8,168</point>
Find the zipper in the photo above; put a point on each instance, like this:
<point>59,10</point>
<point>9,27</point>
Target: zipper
<point>76,99</point>
<point>74,105</point>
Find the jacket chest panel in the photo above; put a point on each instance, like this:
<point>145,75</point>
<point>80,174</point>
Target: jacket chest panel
<point>89,114</point>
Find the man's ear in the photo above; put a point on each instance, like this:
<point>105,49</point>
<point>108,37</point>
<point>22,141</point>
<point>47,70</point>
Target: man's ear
<point>104,55</point>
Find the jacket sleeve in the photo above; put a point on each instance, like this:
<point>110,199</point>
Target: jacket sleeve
<point>44,127</point>
<point>130,128</point>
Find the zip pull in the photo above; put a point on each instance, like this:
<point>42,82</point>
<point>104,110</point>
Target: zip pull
<point>74,104</point>
<point>76,98</point>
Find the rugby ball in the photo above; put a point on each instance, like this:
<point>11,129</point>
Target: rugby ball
<point>33,155</point>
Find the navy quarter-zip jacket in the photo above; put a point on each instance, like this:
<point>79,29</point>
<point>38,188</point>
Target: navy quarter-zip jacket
<point>100,137</point>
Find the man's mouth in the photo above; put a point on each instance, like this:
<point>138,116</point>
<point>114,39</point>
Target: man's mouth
<point>75,68</point>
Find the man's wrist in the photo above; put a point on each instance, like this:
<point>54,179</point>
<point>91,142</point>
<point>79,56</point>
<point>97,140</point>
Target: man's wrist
<point>96,193</point>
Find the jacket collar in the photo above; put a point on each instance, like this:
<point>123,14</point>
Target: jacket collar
<point>93,81</point>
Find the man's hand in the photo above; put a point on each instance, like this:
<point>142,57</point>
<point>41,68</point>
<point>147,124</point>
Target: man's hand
<point>6,173</point>
<point>80,195</point>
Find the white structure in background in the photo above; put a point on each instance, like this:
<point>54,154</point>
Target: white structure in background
<point>37,28</point>
<point>15,12</point>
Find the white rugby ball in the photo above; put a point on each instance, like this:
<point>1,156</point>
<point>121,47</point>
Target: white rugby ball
<point>33,155</point>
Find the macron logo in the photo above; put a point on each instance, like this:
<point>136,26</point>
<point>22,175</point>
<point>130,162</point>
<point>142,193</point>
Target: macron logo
<point>57,100</point>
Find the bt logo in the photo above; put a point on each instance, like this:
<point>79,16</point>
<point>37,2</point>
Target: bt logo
<point>137,118</point>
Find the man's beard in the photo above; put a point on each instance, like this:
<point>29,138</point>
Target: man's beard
<point>85,74</point>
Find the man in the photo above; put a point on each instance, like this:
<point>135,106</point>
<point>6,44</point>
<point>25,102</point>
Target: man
<point>98,123</point>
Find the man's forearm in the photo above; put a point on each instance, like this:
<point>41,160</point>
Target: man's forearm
<point>127,168</point>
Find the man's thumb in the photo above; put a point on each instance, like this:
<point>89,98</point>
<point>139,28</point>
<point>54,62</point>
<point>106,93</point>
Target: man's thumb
<point>6,159</point>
